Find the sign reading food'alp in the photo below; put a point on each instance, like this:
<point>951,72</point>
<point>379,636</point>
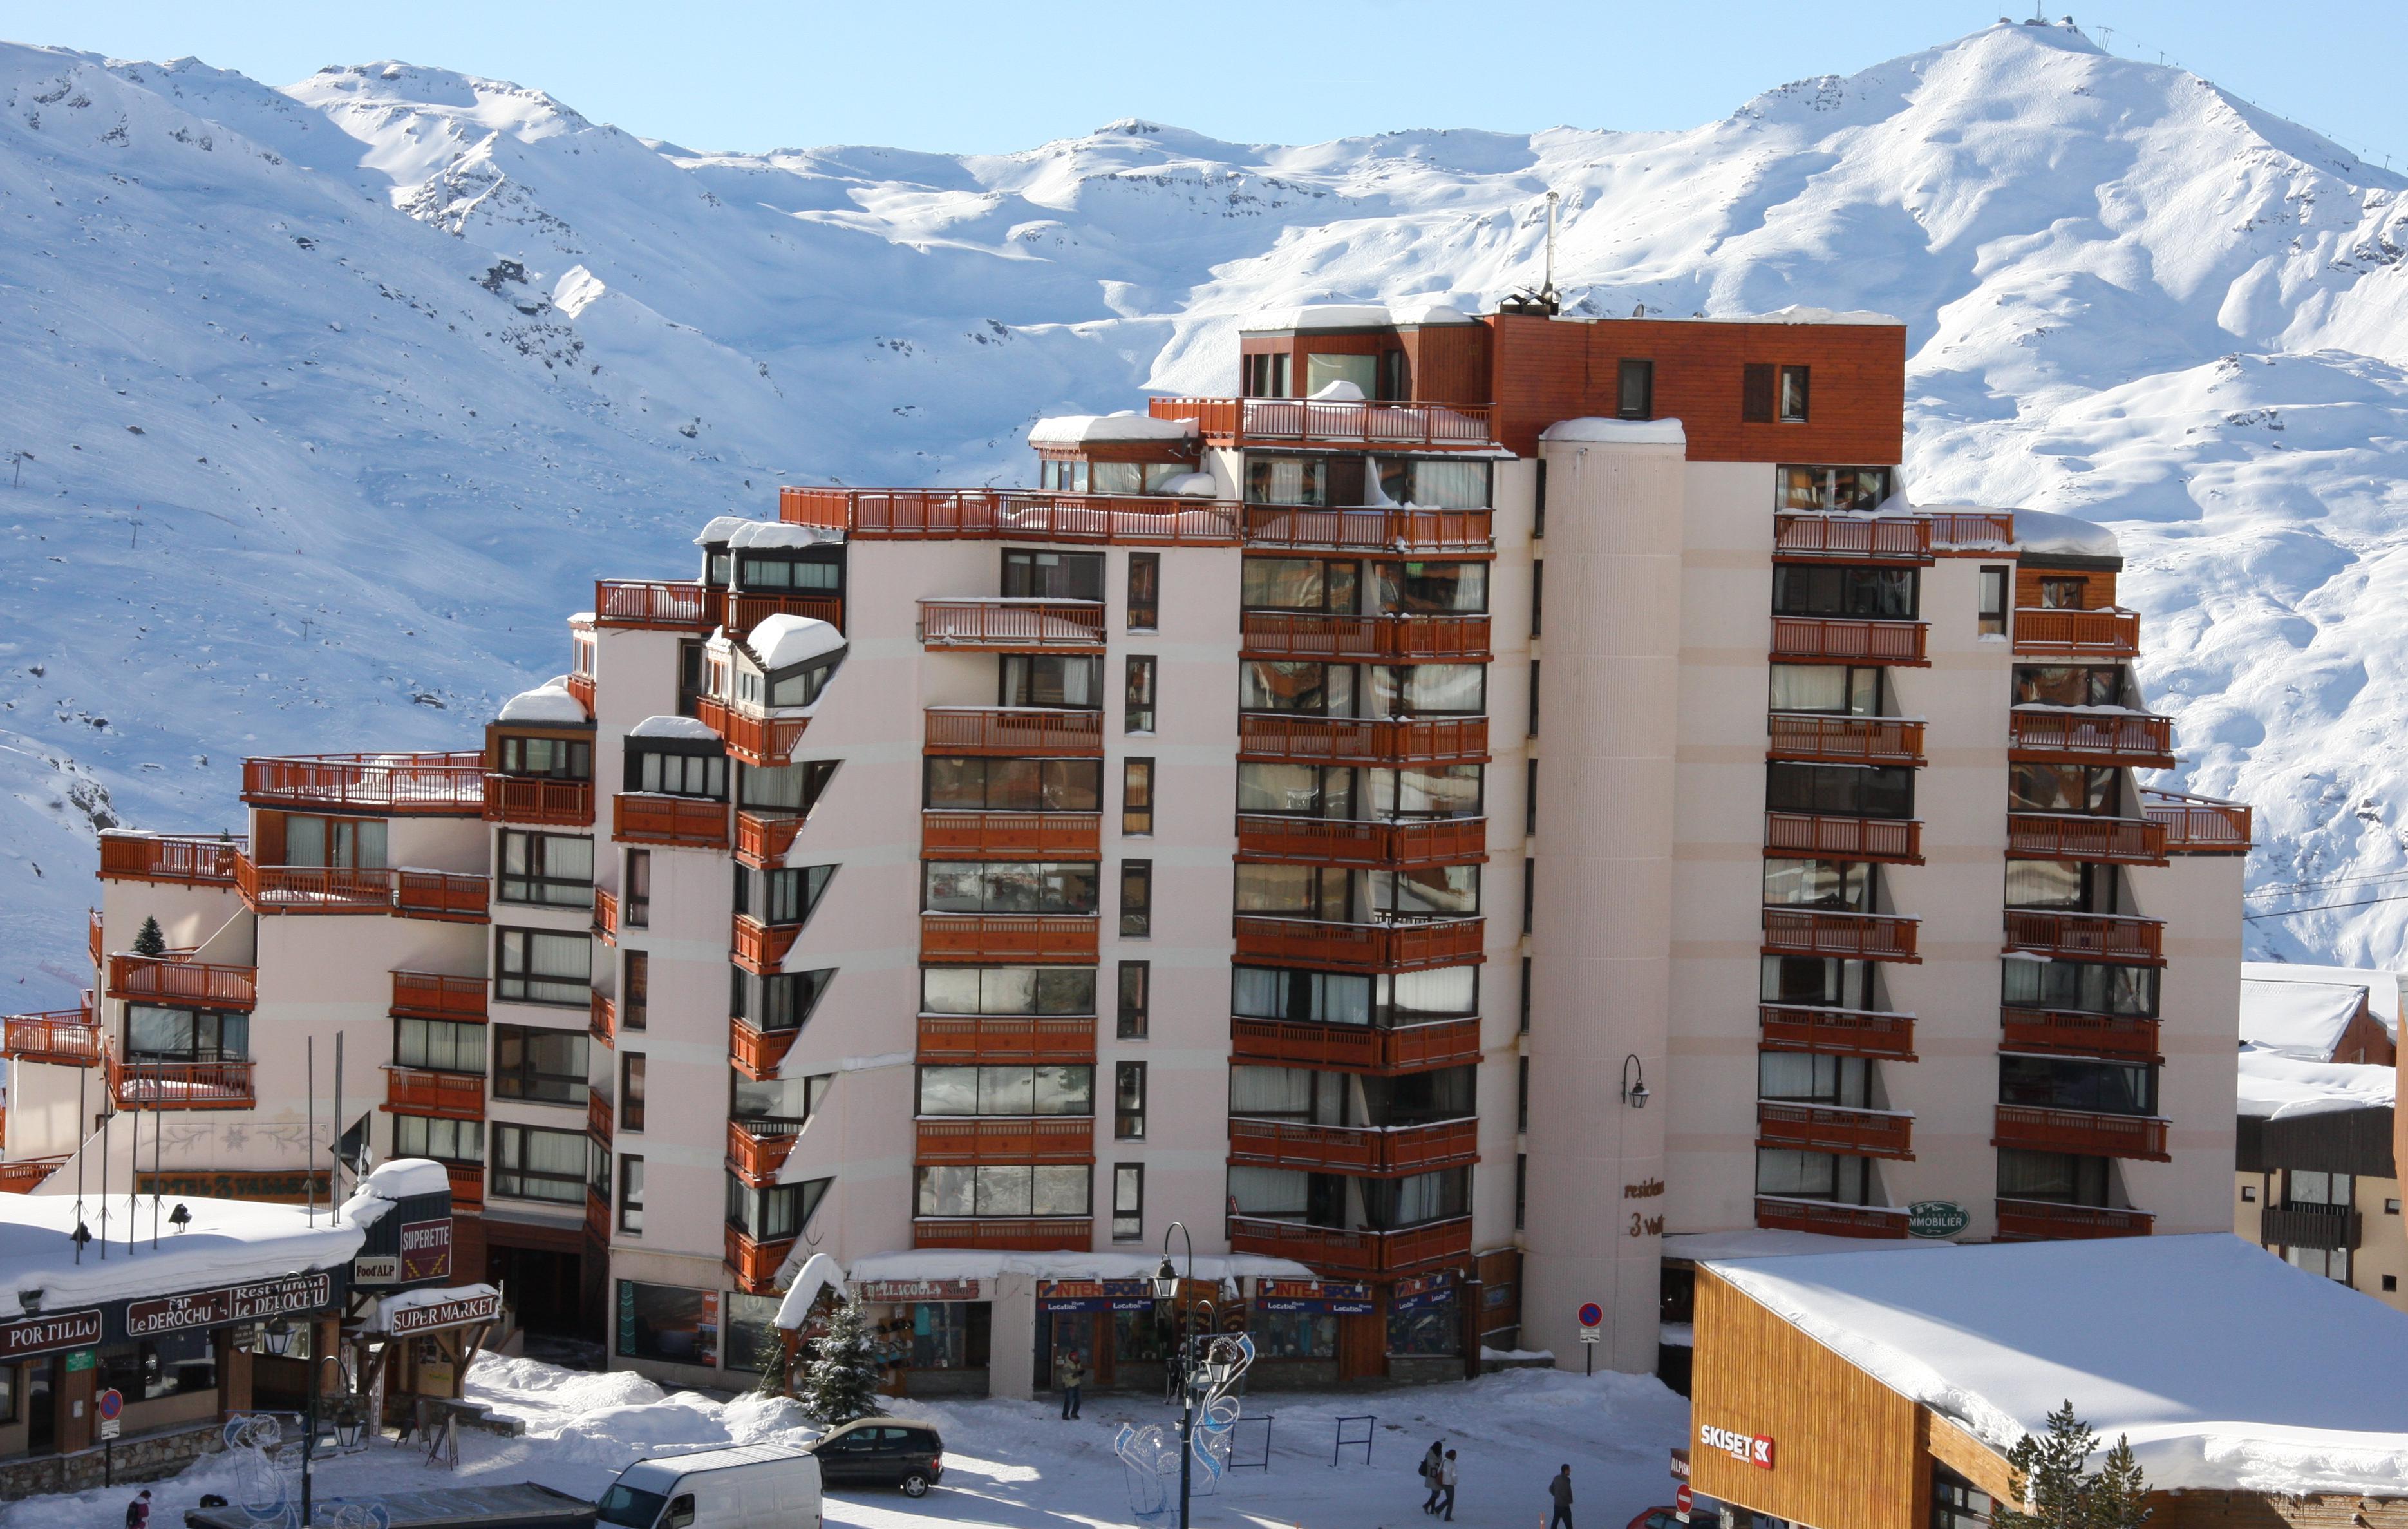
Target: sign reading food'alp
<point>1749,1448</point>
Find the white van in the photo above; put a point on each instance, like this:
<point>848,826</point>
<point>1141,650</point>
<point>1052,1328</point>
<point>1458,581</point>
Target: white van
<point>745,1486</point>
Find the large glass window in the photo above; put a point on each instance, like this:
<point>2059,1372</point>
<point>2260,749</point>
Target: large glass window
<point>352,843</point>
<point>1391,1204</point>
<point>787,1101</point>
<point>181,1035</point>
<point>1811,1176</point>
<point>677,772</point>
<point>2079,986</point>
<point>781,1001</point>
<point>1838,790</point>
<point>1956,1503</point>
<point>544,1065</point>
<point>1052,575</point>
<point>1005,1189</point>
<point>1292,1335</point>
<point>1425,791</point>
<point>1819,981</point>
<point>439,1046</point>
<point>540,966</point>
<point>1829,589</point>
<point>1313,689</point>
<point>2063,788</point>
<point>1806,1077</point>
<point>1404,998</point>
<point>1287,480</point>
<point>1019,887</point>
<point>547,867</point>
<point>535,1164</point>
<point>2064,1178</point>
<point>1427,484</point>
<point>2068,1083</point>
<point>1007,989</point>
<point>445,1140</point>
<point>1301,790</point>
<point>1008,1089</point>
<point>755,1343</point>
<point>2068,685</point>
<point>667,1322</point>
<point>1834,488</point>
<point>2050,884</point>
<point>1014,786</point>
<point>1057,681</point>
<point>775,1213</point>
<point>790,788</point>
<point>1845,885</point>
<point>1427,689</point>
<point>1300,584</point>
<point>1361,372</point>
<point>785,895</point>
<point>149,1368</point>
<point>767,570</point>
<point>1432,588</point>
<point>1426,1324</point>
<point>1836,689</point>
<point>559,759</point>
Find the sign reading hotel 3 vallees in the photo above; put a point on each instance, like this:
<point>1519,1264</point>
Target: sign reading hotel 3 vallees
<point>1750,1449</point>
<point>1935,1219</point>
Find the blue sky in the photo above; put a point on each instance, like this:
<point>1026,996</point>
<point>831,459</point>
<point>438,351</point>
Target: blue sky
<point>1001,75</point>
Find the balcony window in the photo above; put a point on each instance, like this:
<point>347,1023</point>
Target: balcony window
<point>1136,797</point>
<point>1129,1101</point>
<point>2063,1178</point>
<point>2063,788</point>
<point>768,571</point>
<point>2331,1263</point>
<point>2066,885</point>
<point>2068,685</point>
<point>1337,998</point>
<point>1634,391</point>
<point>783,1101</point>
<point>2080,987</point>
<point>1840,790</point>
<point>1266,375</point>
<point>1137,695</point>
<point>1009,886</point>
<point>539,966</point>
<point>1316,584</point>
<point>530,1164</point>
<point>1008,989</point>
<point>2312,1187</point>
<point>351,842</point>
<point>1335,894</point>
<point>775,1214</point>
<point>1818,981</point>
<point>446,1141</point>
<point>1052,575</point>
<point>1793,394</point>
<point>1817,488</point>
<point>1287,1195</point>
<point>2067,1083</point>
<point>1392,1205</point>
<point>1136,985</point>
<point>1809,1078</point>
<point>1013,785</point>
<point>1837,885</point>
<point>1425,791</point>
<point>1428,690</point>
<point>1831,689</point>
<point>1302,480</point>
<point>1060,681</point>
<point>545,1066</point>
<point>791,789</point>
<point>1361,372</point>
<point>1823,589</point>
<point>781,896</point>
<point>1145,584</point>
<point>1005,1189</point>
<point>1137,899</point>
<point>1432,588</point>
<point>1008,1089</point>
<point>185,1036</point>
<point>1296,790</point>
<point>1812,1176</point>
<point>781,1001</point>
<point>2061,594</point>
<point>1427,484</point>
<point>669,770</point>
<point>439,1046</point>
<point>1294,1094</point>
<point>555,869</point>
<point>1057,476</point>
<point>555,759</point>
<point>1307,689</point>
<point>1128,1201</point>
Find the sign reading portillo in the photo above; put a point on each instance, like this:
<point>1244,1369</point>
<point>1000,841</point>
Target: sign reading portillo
<point>1754,1448</point>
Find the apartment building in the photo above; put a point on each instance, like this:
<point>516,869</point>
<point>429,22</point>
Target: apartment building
<point>970,884</point>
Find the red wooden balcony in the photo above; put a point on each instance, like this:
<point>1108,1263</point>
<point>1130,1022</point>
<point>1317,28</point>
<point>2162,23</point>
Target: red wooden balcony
<point>767,742</point>
<point>535,798</point>
<point>1356,1049</point>
<point>26,1174</point>
<point>757,1053</point>
<point>1383,948</point>
<point>597,1219</point>
<point>605,915</point>
<point>449,1096</point>
<point>661,605</point>
<point>467,1185</point>
<point>758,947</point>
<point>602,1020</point>
<point>433,995</point>
<point>1003,937</point>
<point>2121,1036</point>
<point>1852,538</point>
<point>747,608</point>
<point>1831,639</point>
<point>597,1116</point>
<point>1012,729</point>
<point>94,940</point>
<point>756,1149</point>
<point>1831,1127</point>
<point>141,1083</point>
<point>985,515</point>
<point>2096,936</point>
<point>442,894</point>
<point>1010,836</point>
<point>640,818</point>
<point>1836,1032</point>
<point>177,859</point>
<point>1264,735</point>
<point>1383,842</point>
<point>1844,739</point>
<point>2077,634</point>
<point>2198,825</point>
<point>1811,932</point>
<point>1379,639</point>
<point>2042,1220</point>
<point>1352,1149</point>
<point>1012,625</point>
<point>1969,533</point>
<point>1007,1234</point>
<point>1461,533</point>
<point>2082,1132</point>
<point>582,687</point>
<point>1331,1250</point>
<point>1065,1138</point>
<point>1785,1214</point>
<point>1895,840</point>
<point>2052,734</point>
<point>65,1036</point>
<point>1323,422</point>
<point>450,895</point>
<point>166,979</point>
<point>387,785</point>
<point>1006,1037</point>
<point>2073,836</point>
<point>762,839</point>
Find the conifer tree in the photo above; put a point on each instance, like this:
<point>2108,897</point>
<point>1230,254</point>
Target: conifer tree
<point>2054,1490</point>
<point>152,941</point>
<point>841,1382</point>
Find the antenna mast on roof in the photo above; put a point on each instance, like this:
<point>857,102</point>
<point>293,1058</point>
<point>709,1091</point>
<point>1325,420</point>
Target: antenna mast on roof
<point>1544,302</point>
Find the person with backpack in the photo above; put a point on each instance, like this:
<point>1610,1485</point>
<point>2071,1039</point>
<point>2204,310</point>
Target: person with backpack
<point>1433,1464</point>
<point>138,1512</point>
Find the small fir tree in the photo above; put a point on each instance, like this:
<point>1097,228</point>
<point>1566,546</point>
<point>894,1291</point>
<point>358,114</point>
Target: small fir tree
<point>152,941</point>
<point>2056,1493</point>
<point>841,1382</point>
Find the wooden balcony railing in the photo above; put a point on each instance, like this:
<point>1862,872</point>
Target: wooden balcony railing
<point>597,1116</point>
<point>1012,729</point>
<point>25,1175</point>
<point>1811,932</point>
<point>1012,625</point>
<point>605,915</point>
<point>949,515</point>
<point>758,947</point>
<point>2077,634</point>
<point>1007,1234</point>
<point>1844,739</point>
<point>602,1020</point>
<point>1465,533</point>
<point>1831,1127</point>
<point>2074,836</point>
<point>442,894</point>
<point>756,1149</point>
<point>2085,1132</point>
<point>389,785</point>
<point>1832,639</point>
<point>2098,937</point>
<point>766,742</point>
<point>1325,421</point>
<point>1852,538</point>
<point>988,836</point>
<point>582,687</point>
<point>1783,1213</point>
<point>646,818</point>
<point>597,1219</point>
<point>755,1264</point>
<point>433,995</point>
<point>449,1096</point>
<point>1331,1250</point>
<point>1837,1032</point>
<point>1385,947</point>
<point>1896,839</point>
<point>762,839</point>
<point>535,798</point>
<point>467,1184</point>
<point>1065,1138</point>
<point>141,1083</point>
<point>1343,840</point>
<point>664,605</point>
<point>164,979</point>
<point>1356,1049</point>
<point>2049,734</point>
<point>452,895</point>
<point>1354,1149</point>
<point>2125,1037</point>
<point>1264,735</point>
<point>1037,937</point>
<point>180,859</point>
<point>1382,638</point>
<point>2044,1221</point>
<point>757,1053</point>
<point>1006,1037</point>
<point>2326,1227</point>
<point>94,940</point>
<point>749,608</point>
<point>66,1036</point>
<point>1971,533</point>
<point>2198,825</point>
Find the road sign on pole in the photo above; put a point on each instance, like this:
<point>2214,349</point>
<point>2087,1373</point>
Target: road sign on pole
<point>1591,1314</point>
<point>1681,1498</point>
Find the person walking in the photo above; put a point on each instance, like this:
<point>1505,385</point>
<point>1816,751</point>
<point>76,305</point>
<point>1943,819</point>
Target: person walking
<point>1446,1480</point>
<point>138,1512</point>
<point>1560,1489</point>
<point>1433,1463</point>
<point>1069,1374</point>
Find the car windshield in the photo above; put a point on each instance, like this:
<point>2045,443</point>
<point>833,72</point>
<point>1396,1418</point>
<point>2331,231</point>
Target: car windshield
<point>630,1507</point>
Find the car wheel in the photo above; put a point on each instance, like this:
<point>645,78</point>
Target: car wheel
<point>914,1484</point>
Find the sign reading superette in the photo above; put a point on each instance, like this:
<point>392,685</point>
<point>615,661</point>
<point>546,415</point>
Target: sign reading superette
<point>228,1304</point>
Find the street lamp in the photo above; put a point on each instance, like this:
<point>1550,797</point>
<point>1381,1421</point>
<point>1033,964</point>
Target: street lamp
<point>1634,1082</point>
<point>1166,1289</point>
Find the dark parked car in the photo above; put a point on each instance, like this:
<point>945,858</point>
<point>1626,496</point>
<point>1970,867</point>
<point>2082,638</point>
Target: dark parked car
<point>882,1452</point>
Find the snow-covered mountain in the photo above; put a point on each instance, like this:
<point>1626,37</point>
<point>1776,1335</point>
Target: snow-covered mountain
<point>326,403</point>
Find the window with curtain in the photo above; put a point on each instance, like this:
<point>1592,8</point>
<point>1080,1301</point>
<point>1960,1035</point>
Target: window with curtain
<point>1416,1200</point>
<point>774,1214</point>
<point>555,869</point>
<point>1314,585</point>
<point>1811,1176</point>
<point>351,842</point>
<point>445,1140</point>
<point>547,1066</point>
<point>1005,1189</point>
<point>1272,1193</point>
<point>1054,681</point>
<point>439,1046</point>
<point>530,1164</point>
<point>1425,791</point>
<point>792,788</point>
<point>1009,886</point>
<point>1433,588</point>
<point>558,758</point>
<point>1313,689</point>
<point>1427,689</point>
<point>540,966</point>
<point>1835,689</point>
<point>790,1101</point>
<point>1007,989</point>
<point>663,772</point>
<point>1008,1089</point>
<point>181,1035</point>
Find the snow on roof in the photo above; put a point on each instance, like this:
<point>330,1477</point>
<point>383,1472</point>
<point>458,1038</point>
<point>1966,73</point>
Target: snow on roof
<point>819,1272</point>
<point>1406,311</point>
<point>2277,1086</point>
<point>1771,1242</point>
<point>719,530</point>
<point>673,726</point>
<point>226,1242</point>
<point>547,702</point>
<point>759,535</point>
<point>2304,1019</point>
<point>2297,1391</point>
<point>1127,425</point>
<point>2382,989</point>
<point>1800,313</point>
<point>430,1295</point>
<point>2044,531</point>
<point>1619,432</point>
<point>402,1177</point>
<point>782,641</point>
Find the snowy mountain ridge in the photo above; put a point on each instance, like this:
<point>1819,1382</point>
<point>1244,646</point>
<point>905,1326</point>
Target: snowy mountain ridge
<point>330,401</point>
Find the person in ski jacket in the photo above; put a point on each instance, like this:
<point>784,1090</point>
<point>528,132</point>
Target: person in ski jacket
<point>1560,1489</point>
<point>1432,1465</point>
<point>1071,1375</point>
<point>138,1512</point>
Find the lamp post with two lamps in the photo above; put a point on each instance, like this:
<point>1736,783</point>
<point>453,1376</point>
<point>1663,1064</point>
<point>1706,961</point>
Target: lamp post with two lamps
<point>276,1337</point>
<point>1207,1362</point>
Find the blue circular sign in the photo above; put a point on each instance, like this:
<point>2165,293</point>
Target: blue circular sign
<point>110,1403</point>
<point>1591,1314</point>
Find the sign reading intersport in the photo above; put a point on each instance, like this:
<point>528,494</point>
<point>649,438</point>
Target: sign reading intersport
<point>1754,1448</point>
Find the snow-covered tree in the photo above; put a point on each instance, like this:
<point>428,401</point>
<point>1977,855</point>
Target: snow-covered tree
<point>2056,1492</point>
<point>841,1382</point>
<point>152,941</point>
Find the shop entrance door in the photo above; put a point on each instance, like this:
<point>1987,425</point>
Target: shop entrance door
<point>41,1406</point>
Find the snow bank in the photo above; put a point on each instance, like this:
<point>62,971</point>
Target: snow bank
<point>818,1272</point>
<point>2277,1086</point>
<point>1123,426</point>
<point>673,726</point>
<point>2044,531</point>
<point>547,702</point>
<point>1618,432</point>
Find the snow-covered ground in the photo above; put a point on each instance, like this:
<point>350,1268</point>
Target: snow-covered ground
<point>1018,1465</point>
